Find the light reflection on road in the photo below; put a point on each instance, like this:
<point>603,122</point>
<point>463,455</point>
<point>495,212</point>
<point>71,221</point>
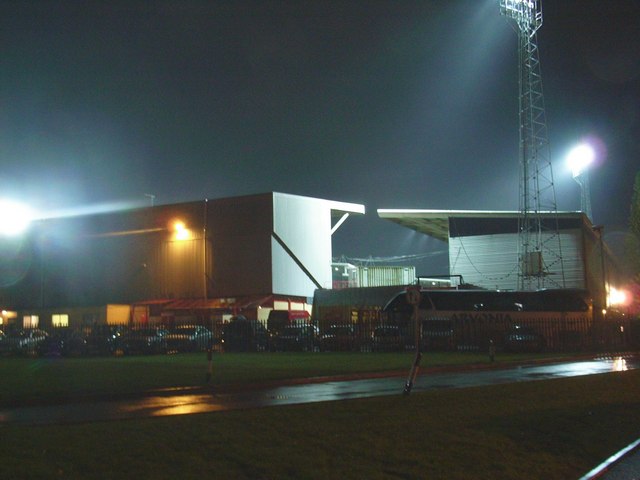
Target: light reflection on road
<point>179,403</point>
<point>171,405</point>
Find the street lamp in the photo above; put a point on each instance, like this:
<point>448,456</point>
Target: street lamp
<point>580,159</point>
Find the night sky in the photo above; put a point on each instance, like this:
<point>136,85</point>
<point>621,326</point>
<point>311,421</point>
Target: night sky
<point>392,104</point>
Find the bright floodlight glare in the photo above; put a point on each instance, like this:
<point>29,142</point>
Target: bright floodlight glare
<point>14,218</point>
<point>617,297</point>
<point>181,231</point>
<point>580,158</point>
<point>179,226</point>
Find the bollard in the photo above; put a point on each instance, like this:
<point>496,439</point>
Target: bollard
<point>412,374</point>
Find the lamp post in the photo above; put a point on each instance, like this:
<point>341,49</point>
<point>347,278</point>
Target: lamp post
<point>205,282</point>
<point>580,159</point>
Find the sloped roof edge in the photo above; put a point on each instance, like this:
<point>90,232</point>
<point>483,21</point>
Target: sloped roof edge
<point>334,205</point>
<point>435,223</point>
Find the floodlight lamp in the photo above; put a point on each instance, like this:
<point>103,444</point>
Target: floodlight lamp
<point>518,5</point>
<point>181,231</point>
<point>580,158</point>
<point>178,226</point>
<point>526,13</point>
<point>15,218</point>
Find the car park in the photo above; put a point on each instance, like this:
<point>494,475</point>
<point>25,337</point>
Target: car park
<point>244,335</point>
<point>62,342</point>
<point>189,338</point>
<point>22,342</point>
<point>388,338</point>
<point>144,341</point>
<point>297,338</point>
<point>338,338</point>
<point>523,339</point>
<point>279,319</point>
<point>103,339</point>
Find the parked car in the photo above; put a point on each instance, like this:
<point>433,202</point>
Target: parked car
<point>104,339</point>
<point>244,335</point>
<point>339,338</point>
<point>523,339</point>
<point>22,342</point>
<point>189,338</point>
<point>64,342</point>
<point>301,338</point>
<point>145,341</point>
<point>387,338</point>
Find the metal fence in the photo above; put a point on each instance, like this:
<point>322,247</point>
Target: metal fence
<point>360,331</point>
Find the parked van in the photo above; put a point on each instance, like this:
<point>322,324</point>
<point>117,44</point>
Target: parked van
<point>279,319</point>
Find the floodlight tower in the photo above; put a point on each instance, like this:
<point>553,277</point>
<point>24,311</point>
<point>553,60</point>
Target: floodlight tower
<point>539,250</point>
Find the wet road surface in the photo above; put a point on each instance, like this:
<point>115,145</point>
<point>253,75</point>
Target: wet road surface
<point>183,402</point>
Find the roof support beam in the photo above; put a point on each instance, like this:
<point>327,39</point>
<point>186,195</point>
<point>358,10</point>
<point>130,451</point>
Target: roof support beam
<point>296,259</point>
<point>339,222</point>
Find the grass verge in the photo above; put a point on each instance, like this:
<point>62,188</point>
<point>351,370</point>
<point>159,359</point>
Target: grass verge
<point>545,429</point>
<point>27,380</point>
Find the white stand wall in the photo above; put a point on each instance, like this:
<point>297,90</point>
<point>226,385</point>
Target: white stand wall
<point>491,261</point>
<point>304,225</point>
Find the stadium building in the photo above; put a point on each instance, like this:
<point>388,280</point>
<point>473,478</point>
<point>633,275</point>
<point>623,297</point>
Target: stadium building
<point>199,260</point>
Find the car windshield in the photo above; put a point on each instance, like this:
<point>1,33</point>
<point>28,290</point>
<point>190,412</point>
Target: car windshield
<point>63,333</point>
<point>292,330</point>
<point>340,330</point>
<point>19,334</point>
<point>517,330</point>
<point>387,332</point>
<point>185,330</point>
<point>151,332</point>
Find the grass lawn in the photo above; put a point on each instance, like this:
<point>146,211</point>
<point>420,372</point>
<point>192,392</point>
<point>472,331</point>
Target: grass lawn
<point>51,379</point>
<point>555,429</point>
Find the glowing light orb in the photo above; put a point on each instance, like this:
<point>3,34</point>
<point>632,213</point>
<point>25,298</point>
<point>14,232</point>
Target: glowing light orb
<point>14,218</point>
<point>580,158</point>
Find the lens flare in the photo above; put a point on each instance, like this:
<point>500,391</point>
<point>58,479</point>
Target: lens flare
<point>15,218</point>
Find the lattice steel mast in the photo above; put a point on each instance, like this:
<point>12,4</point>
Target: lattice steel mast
<point>539,250</point>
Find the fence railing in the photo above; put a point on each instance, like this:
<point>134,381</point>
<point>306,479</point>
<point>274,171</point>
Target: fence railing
<point>357,334</point>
